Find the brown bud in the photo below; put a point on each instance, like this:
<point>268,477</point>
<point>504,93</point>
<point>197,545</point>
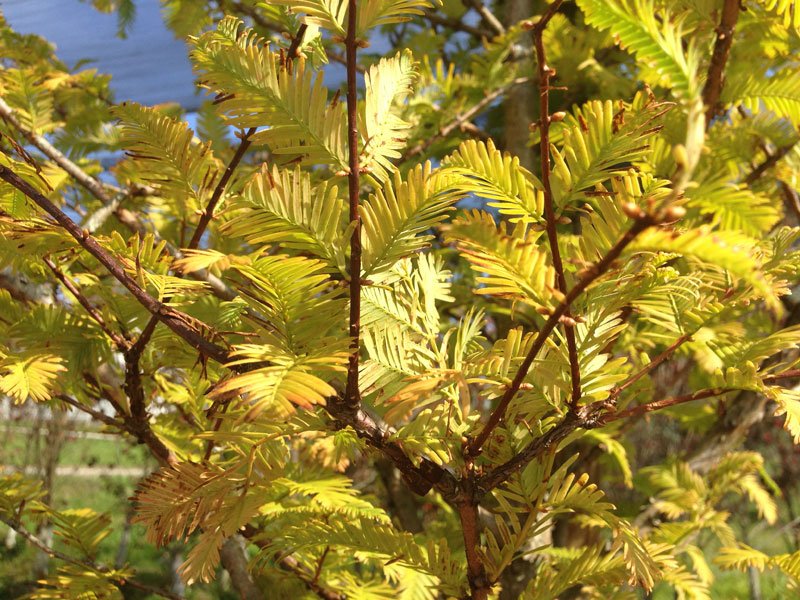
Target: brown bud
<point>557,117</point>
<point>632,210</point>
<point>543,310</point>
<point>562,220</point>
<point>673,213</point>
<point>568,321</point>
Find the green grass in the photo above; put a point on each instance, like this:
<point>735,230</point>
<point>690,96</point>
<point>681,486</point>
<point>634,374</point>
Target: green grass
<point>17,447</point>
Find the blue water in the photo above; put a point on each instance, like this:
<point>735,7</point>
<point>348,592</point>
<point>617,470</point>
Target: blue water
<point>150,66</point>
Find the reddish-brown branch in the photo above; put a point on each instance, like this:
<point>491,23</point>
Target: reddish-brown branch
<point>476,573</point>
<point>768,163</point>
<point>108,195</point>
<point>437,18</point>
<point>545,74</point>
<point>208,213</point>
<point>592,416</point>
<point>95,414</point>
<point>650,366</point>
<point>641,409</point>
<point>352,395</point>
<point>133,379</point>
<point>296,41</point>
<point>173,319</point>
<point>719,58</point>
<point>588,278</point>
<point>120,342</point>
<point>536,448</point>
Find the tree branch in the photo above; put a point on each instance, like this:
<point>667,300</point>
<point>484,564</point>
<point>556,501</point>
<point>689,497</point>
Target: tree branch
<point>719,58</point>
<point>176,321</point>
<point>476,573</point>
<point>641,409</point>
<point>133,377</point>
<point>208,213</point>
<point>101,191</point>
<point>292,52</point>
<point>95,414</point>
<point>615,392</point>
<point>420,478</point>
<point>352,396</point>
<point>545,73</point>
<point>457,25</point>
<point>487,16</point>
<point>593,416</point>
<point>771,160</point>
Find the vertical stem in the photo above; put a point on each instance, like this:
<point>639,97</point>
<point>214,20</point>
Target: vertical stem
<point>719,58</point>
<point>545,73</point>
<point>352,393</point>
<point>476,574</point>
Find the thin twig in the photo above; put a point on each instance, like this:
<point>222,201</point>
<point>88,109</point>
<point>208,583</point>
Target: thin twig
<point>95,414</point>
<point>615,392</point>
<point>208,213</point>
<point>768,163</point>
<point>292,52</point>
<point>461,119</point>
<point>719,58</point>
<point>641,409</point>
<point>352,393</point>
<point>137,349</point>
<point>16,526</point>
<point>106,194</point>
<point>140,420</point>
<point>320,562</point>
<point>457,24</point>
<point>120,342</point>
<point>488,16</point>
<point>545,73</point>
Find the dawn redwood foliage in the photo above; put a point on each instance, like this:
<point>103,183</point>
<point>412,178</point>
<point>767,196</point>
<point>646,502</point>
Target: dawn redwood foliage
<point>382,348</point>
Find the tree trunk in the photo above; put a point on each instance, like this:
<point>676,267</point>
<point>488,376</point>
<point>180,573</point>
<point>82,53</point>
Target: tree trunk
<point>520,99</point>
<point>234,559</point>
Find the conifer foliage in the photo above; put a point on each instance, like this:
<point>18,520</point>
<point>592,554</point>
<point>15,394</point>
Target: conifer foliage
<point>365,338</point>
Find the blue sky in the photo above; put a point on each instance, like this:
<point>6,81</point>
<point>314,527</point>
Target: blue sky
<point>150,66</point>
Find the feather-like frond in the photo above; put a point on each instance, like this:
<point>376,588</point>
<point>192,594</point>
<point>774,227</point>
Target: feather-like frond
<point>499,178</point>
<point>509,263</point>
<point>397,216</point>
<point>258,90</point>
